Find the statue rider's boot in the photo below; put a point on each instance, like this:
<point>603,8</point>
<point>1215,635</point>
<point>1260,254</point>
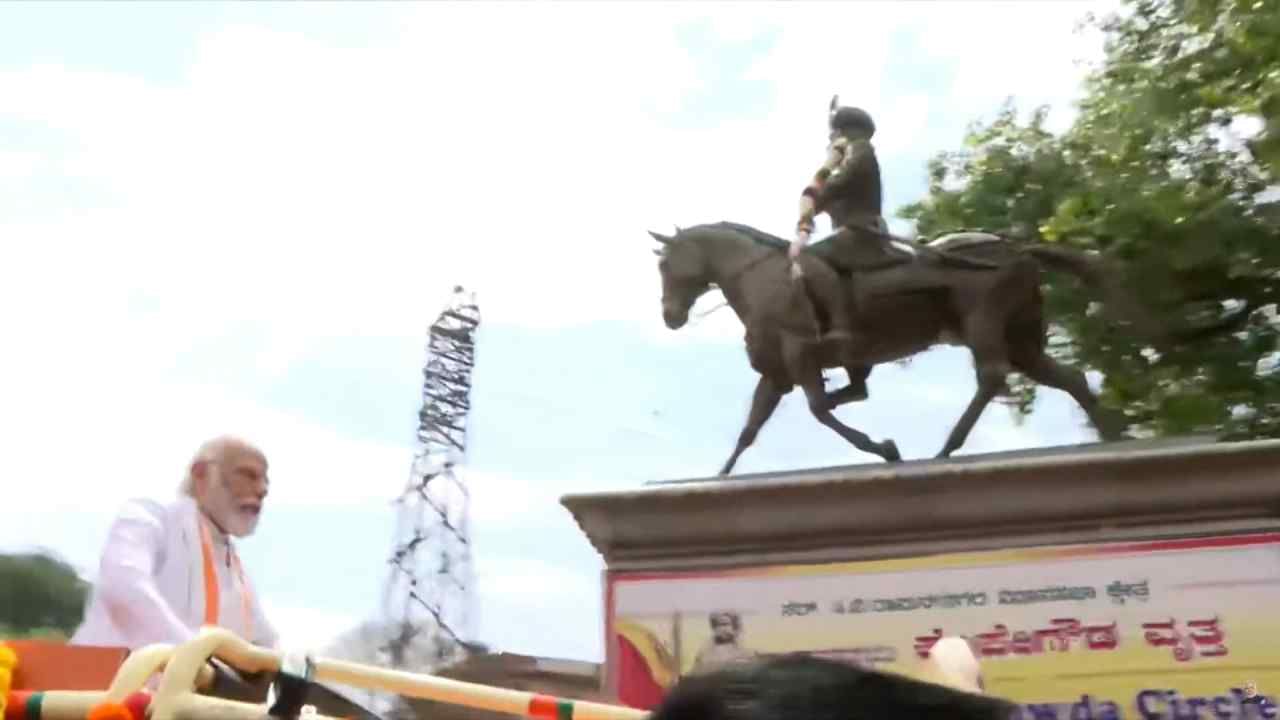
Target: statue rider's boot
<point>838,335</point>
<point>840,331</point>
<point>858,381</point>
<point>828,292</point>
<point>836,304</point>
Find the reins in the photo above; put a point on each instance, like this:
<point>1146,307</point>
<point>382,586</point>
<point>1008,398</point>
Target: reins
<point>765,254</point>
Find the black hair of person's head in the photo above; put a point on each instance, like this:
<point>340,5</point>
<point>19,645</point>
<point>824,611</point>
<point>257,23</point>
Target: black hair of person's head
<point>804,687</point>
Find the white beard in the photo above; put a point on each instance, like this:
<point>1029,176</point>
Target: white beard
<point>226,513</point>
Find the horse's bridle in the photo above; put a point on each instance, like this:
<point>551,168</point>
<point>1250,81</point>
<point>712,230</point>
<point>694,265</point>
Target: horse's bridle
<point>764,255</point>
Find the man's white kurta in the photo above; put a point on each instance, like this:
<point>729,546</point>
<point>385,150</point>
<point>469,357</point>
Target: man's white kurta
<point>151,588</point>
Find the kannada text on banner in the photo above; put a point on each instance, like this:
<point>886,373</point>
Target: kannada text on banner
<point>1168,629</point>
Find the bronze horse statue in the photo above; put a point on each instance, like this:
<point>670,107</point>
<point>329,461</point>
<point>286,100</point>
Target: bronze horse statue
<point>976,289</point>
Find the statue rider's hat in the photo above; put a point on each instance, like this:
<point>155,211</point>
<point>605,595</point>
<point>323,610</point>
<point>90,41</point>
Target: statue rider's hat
<point>849,118</point>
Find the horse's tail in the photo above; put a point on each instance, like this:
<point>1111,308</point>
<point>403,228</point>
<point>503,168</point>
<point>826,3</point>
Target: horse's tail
<point>1103,278</point>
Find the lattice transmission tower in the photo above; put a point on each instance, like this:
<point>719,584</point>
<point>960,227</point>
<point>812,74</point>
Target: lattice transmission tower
<point>428,595</point>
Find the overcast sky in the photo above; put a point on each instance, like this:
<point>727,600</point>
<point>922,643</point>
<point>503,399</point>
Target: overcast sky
<point>242,218</point>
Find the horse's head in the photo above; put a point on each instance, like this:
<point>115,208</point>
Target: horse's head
<point>685,276</point>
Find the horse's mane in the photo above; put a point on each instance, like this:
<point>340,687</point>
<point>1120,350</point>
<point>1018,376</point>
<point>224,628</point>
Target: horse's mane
<point>759,236</point>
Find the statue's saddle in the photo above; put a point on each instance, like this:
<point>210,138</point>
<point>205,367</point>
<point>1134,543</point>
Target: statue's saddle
<point>940,248</point>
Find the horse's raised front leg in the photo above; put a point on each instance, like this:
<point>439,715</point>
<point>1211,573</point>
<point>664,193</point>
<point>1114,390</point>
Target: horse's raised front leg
<point>763,403</point>
<point>855,391</point>
<point>817,397</point>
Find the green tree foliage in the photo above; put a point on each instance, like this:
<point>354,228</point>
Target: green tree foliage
<point>40,596</point>
<point>1160,172</point>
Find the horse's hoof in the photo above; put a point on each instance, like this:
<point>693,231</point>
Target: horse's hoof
<point>889,451</point>
<point>1115,434</point>
<point>1112,427</point>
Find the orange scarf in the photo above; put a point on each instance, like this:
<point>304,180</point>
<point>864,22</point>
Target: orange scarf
<point>212,597</point>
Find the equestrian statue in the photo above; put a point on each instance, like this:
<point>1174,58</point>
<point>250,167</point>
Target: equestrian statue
<point>862,296</point>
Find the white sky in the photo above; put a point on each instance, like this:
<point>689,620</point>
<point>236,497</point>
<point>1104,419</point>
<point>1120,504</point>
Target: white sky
<point>241,218</point>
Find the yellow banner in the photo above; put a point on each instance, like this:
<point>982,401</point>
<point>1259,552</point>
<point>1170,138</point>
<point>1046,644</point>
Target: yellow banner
<point>1171,629</point>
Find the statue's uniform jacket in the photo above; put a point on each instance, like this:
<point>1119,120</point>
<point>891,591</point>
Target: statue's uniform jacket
<point>852,197</point>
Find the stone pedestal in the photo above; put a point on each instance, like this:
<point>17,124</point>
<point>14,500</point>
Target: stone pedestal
<point>1059,565</point>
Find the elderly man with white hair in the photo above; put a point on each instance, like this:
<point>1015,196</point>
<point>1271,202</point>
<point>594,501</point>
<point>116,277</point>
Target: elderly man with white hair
<point>170,568</point>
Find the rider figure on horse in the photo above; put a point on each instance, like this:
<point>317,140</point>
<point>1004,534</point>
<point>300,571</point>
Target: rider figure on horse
<point>847,188</point>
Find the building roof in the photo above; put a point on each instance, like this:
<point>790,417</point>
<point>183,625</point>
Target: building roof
<point>570,679</point>
<point>525,666</point>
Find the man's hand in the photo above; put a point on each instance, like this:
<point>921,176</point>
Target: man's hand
<point>230,684</point>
